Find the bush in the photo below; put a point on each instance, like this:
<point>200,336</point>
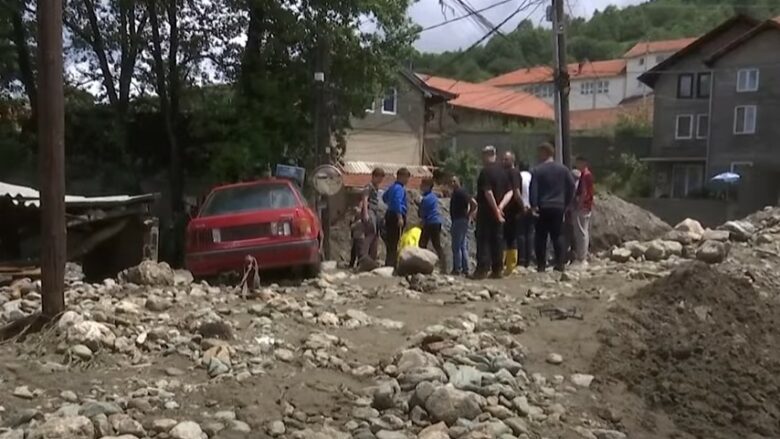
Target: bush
<point>630,178</point>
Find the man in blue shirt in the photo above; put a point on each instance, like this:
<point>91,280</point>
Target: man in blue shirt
<point>395,218</point>
<point>431,221</point>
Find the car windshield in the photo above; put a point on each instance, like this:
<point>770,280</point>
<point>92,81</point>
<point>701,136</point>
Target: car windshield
<point>248,198</point>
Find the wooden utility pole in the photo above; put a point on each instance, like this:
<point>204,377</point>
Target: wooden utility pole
<point>562,85</point>
<point>51,156</point>
<point>322,130</point>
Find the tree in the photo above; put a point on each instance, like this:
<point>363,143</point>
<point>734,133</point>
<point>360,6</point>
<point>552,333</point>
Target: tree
<point>17,50</point>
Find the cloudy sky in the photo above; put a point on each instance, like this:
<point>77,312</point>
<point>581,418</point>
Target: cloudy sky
<point>464,32</point>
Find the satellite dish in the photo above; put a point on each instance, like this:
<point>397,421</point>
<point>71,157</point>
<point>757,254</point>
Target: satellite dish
<point>327,180</point>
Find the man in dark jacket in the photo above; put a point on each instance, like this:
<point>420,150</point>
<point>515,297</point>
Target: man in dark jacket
<point>552,191</point>
<point>395,218</point>
<point>492,186</point>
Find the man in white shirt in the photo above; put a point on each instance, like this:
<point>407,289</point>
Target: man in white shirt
<point>525,243</point>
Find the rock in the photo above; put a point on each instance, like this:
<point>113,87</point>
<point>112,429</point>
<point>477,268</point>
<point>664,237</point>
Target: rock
<point>690,225</point>
<point>285,355</point>
<point>73,427</point>
<point>712,252</point>
<point>157,304</point>
<point>582,380</point>
<point>684,238</point>
<point>94,335</point>
<point>386,272</point>
<point>216,330</point>
<point>276,428</point>
<point>415,358</point>
<point>554,358</point>
<point>94,408</point>
<point>716,235</point>
<point>384,393</point>
<point>328,319</point>
<point>636,248</point>
<point>436,431</point>
<point>620,255</point>
<point>765,239</point>
<point>466,377</point>
<point>69,395</point>
<point>416,260</point>
<point>124,424</point>
<point>163,425</point>
<point>409,380</point>
<point>518,425</point>
<point>81,352</point>
<point>448,404</point>
<point>149,273</point>
<point>385,434</point>
<point>68,319</point>
<point>239,426</point>
<point>656,251</point>
<point>739,230</point>
<point>23,392</point>
<point>186,430</point>
<point>182,277</point>
<point>13,434</point>
<point>672,248</point>
<point>608,434</point>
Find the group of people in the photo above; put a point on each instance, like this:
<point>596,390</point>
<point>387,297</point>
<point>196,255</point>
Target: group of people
<point>517,212</point>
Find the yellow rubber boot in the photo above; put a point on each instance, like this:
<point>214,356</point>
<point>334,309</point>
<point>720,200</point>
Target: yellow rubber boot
<point>510,261</point>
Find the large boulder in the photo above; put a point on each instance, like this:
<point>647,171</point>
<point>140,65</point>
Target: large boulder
<point>656,251</point>
<point>71,427</point>
<point>691,226</point>
<point>620,255</point>
<point>712,252</point>
<point>672,248</point>
<point>615,221</point>
<point>684,238</point>
<point>448,404</point>
<point>740,230</point>
<point>636,248</point>
<point>416,260</point>
<point>716,235</point>
<point>150,273</point>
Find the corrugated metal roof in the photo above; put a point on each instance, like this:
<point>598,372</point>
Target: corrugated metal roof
<point>29,196</point>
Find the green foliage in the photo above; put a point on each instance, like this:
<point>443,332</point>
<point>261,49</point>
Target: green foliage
<point>463,165</point>
<point>606,35</point>
<point>629,178</point>
<point>632,127</point>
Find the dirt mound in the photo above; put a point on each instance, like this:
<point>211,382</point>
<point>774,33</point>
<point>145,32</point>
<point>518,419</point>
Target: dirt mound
<point>701,346</point>
<point>616,221</point>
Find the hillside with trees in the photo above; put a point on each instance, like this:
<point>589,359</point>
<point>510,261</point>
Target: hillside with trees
<point>606,35</point>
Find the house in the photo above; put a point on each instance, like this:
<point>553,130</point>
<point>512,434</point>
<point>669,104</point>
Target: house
<point>746,102</point>
<point>683,87</point>
<point>644,56</point>
<point>594,85</point>
<point>393,128</point>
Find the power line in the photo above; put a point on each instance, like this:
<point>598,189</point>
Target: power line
<point>463,17</point>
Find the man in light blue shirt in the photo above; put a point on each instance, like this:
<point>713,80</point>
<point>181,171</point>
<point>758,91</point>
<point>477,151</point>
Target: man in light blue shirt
<point>395,218</point>
<point>431,221</point>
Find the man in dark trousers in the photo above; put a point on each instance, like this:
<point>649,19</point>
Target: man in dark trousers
<point>395,218</point>
<point>552,190</point>
<point>492,186</point>
<point>431,222</point>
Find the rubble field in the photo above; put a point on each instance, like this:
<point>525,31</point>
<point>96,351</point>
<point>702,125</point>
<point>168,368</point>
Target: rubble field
<point>644,345</point>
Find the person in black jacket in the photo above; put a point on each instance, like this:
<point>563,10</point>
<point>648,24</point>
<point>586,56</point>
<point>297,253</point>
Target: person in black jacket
<point>552,191</point>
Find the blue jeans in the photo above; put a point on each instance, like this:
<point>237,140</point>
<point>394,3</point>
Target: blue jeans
<point>460,247</point>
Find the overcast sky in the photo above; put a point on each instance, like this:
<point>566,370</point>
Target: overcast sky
<point>462,33</point>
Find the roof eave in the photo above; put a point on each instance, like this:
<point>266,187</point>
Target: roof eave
<point>766,25</point>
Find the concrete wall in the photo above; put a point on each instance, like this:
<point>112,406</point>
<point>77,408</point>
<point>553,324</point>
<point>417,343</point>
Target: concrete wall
<point>635,68</point>
<point>762,147</point>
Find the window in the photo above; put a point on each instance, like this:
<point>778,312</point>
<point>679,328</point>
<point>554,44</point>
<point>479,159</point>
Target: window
<point>703,85</point>
<point>602,87</point>
<point>745,119</point>
<point>685,86</point>
<point>684,129</point>
<point>747,80</point>
<point>586,88</point>
<point>390,102</point>
<point>686,179</point>
<point>702,126</point>
<point>254,197</point>
<point>741,168</point>
<point>641,61</point>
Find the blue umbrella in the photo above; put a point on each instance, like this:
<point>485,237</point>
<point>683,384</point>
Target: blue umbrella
<point>727,177</point>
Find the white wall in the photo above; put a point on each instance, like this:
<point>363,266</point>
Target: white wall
<point>594,100</point>
<point>635,67</point>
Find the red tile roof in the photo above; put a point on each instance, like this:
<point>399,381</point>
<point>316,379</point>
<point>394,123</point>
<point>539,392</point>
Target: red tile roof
<point>492,99</point>
<point>648,47</point>
<point>539,74</point>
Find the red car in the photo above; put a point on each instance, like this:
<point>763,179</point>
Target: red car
<point>268,219</point>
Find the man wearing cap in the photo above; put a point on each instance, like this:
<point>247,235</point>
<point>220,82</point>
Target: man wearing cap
<point>492,187</point>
